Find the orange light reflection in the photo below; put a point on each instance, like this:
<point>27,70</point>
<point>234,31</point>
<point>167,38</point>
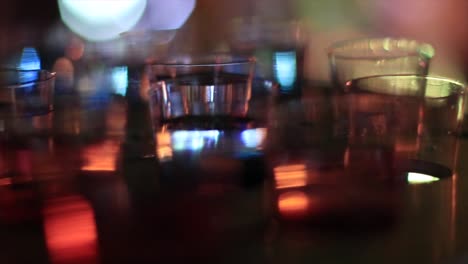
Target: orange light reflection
<point>406,147</point>
<point>294,203</point>
<point>290,176</point>
<point>164,146</point>
<point>70,230</point>
<point>101,157</point>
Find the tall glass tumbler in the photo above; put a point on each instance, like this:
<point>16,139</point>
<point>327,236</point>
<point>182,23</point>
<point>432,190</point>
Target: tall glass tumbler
<point>353,59</point>
<point>210,116</point>
<point>428,116</point>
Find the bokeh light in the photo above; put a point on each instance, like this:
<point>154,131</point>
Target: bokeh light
<point>100,20</point>
<point>290,176</point>
<point>120,79</point>
<point>419,178</point>
<point>101,157</point>
<point>166,14</point>
<point>295,203</point>
<point>29,59</point>
<point>70,230</point>
<point>254,138</point>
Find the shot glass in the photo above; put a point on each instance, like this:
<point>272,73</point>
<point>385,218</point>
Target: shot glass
<point>353,59</point>
<point>333,161</point>
<point>26,100</point>
<point>209,117</point>
<point>26,92</point>
<point>428,116</point>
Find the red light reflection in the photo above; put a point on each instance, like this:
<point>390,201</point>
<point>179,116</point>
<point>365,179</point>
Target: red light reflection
<point>70,230</point>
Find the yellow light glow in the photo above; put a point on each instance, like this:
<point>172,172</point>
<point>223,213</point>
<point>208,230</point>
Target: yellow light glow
<point>164,146</point>
<point>290,176</point>
<point>419,178</point>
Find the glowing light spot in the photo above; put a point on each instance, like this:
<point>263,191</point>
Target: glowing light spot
<point>29,60</point>
<point>293,203</point>
<point>29,63</point>
<point>254,138</point>
<point>163,146</point>
<point>99,20</point>
<point>285,68</point>
<point>290,176</point>
<point>166,15</point>
<point>120,79</point>
<point>70,230</point>
<point>102,157</point>
<point>461,112</point>
<point>419,178</point>
<point>194,139</point>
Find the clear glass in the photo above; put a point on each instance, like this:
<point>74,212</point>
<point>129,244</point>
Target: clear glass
<point>330,166</point>
<point>209,94</point>
<point>26,92</point>
<point>428,117</point>
<point>209,117</point>
<point>26,101</point>
<point>353,59</point>
<point>345,159</point>
<point>202,87</point>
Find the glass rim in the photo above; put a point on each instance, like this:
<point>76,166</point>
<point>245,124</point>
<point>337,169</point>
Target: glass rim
<point>49,76</point>
<point>422,49</point>
<point>208,60</point>
<point>462,85</point>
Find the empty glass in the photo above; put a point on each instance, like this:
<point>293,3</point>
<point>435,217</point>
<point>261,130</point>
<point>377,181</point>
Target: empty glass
<point>26,92</point>
<point>344,159</point>
<point>26,99</point>
<point>428,115</point>
<point>333,161</point>
<point>353,59</point>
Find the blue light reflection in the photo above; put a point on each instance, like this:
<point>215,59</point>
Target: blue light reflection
<point>194,140</point>
<point>285,68</point>
<point>120,79</point>
<point>253,138</point>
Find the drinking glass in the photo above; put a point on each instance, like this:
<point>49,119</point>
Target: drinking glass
<point>428,115</point>
<point>353,59</point>
<point>209,117</point>
<point>333,161</point>
<point>26,92</point>
<point>26,101</point>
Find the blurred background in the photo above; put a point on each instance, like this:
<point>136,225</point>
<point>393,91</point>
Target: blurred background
<point>64,32</point>
<point>99,47</point>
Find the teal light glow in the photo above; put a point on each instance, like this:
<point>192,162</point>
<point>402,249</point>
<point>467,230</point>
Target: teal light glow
<point>285,68</point>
